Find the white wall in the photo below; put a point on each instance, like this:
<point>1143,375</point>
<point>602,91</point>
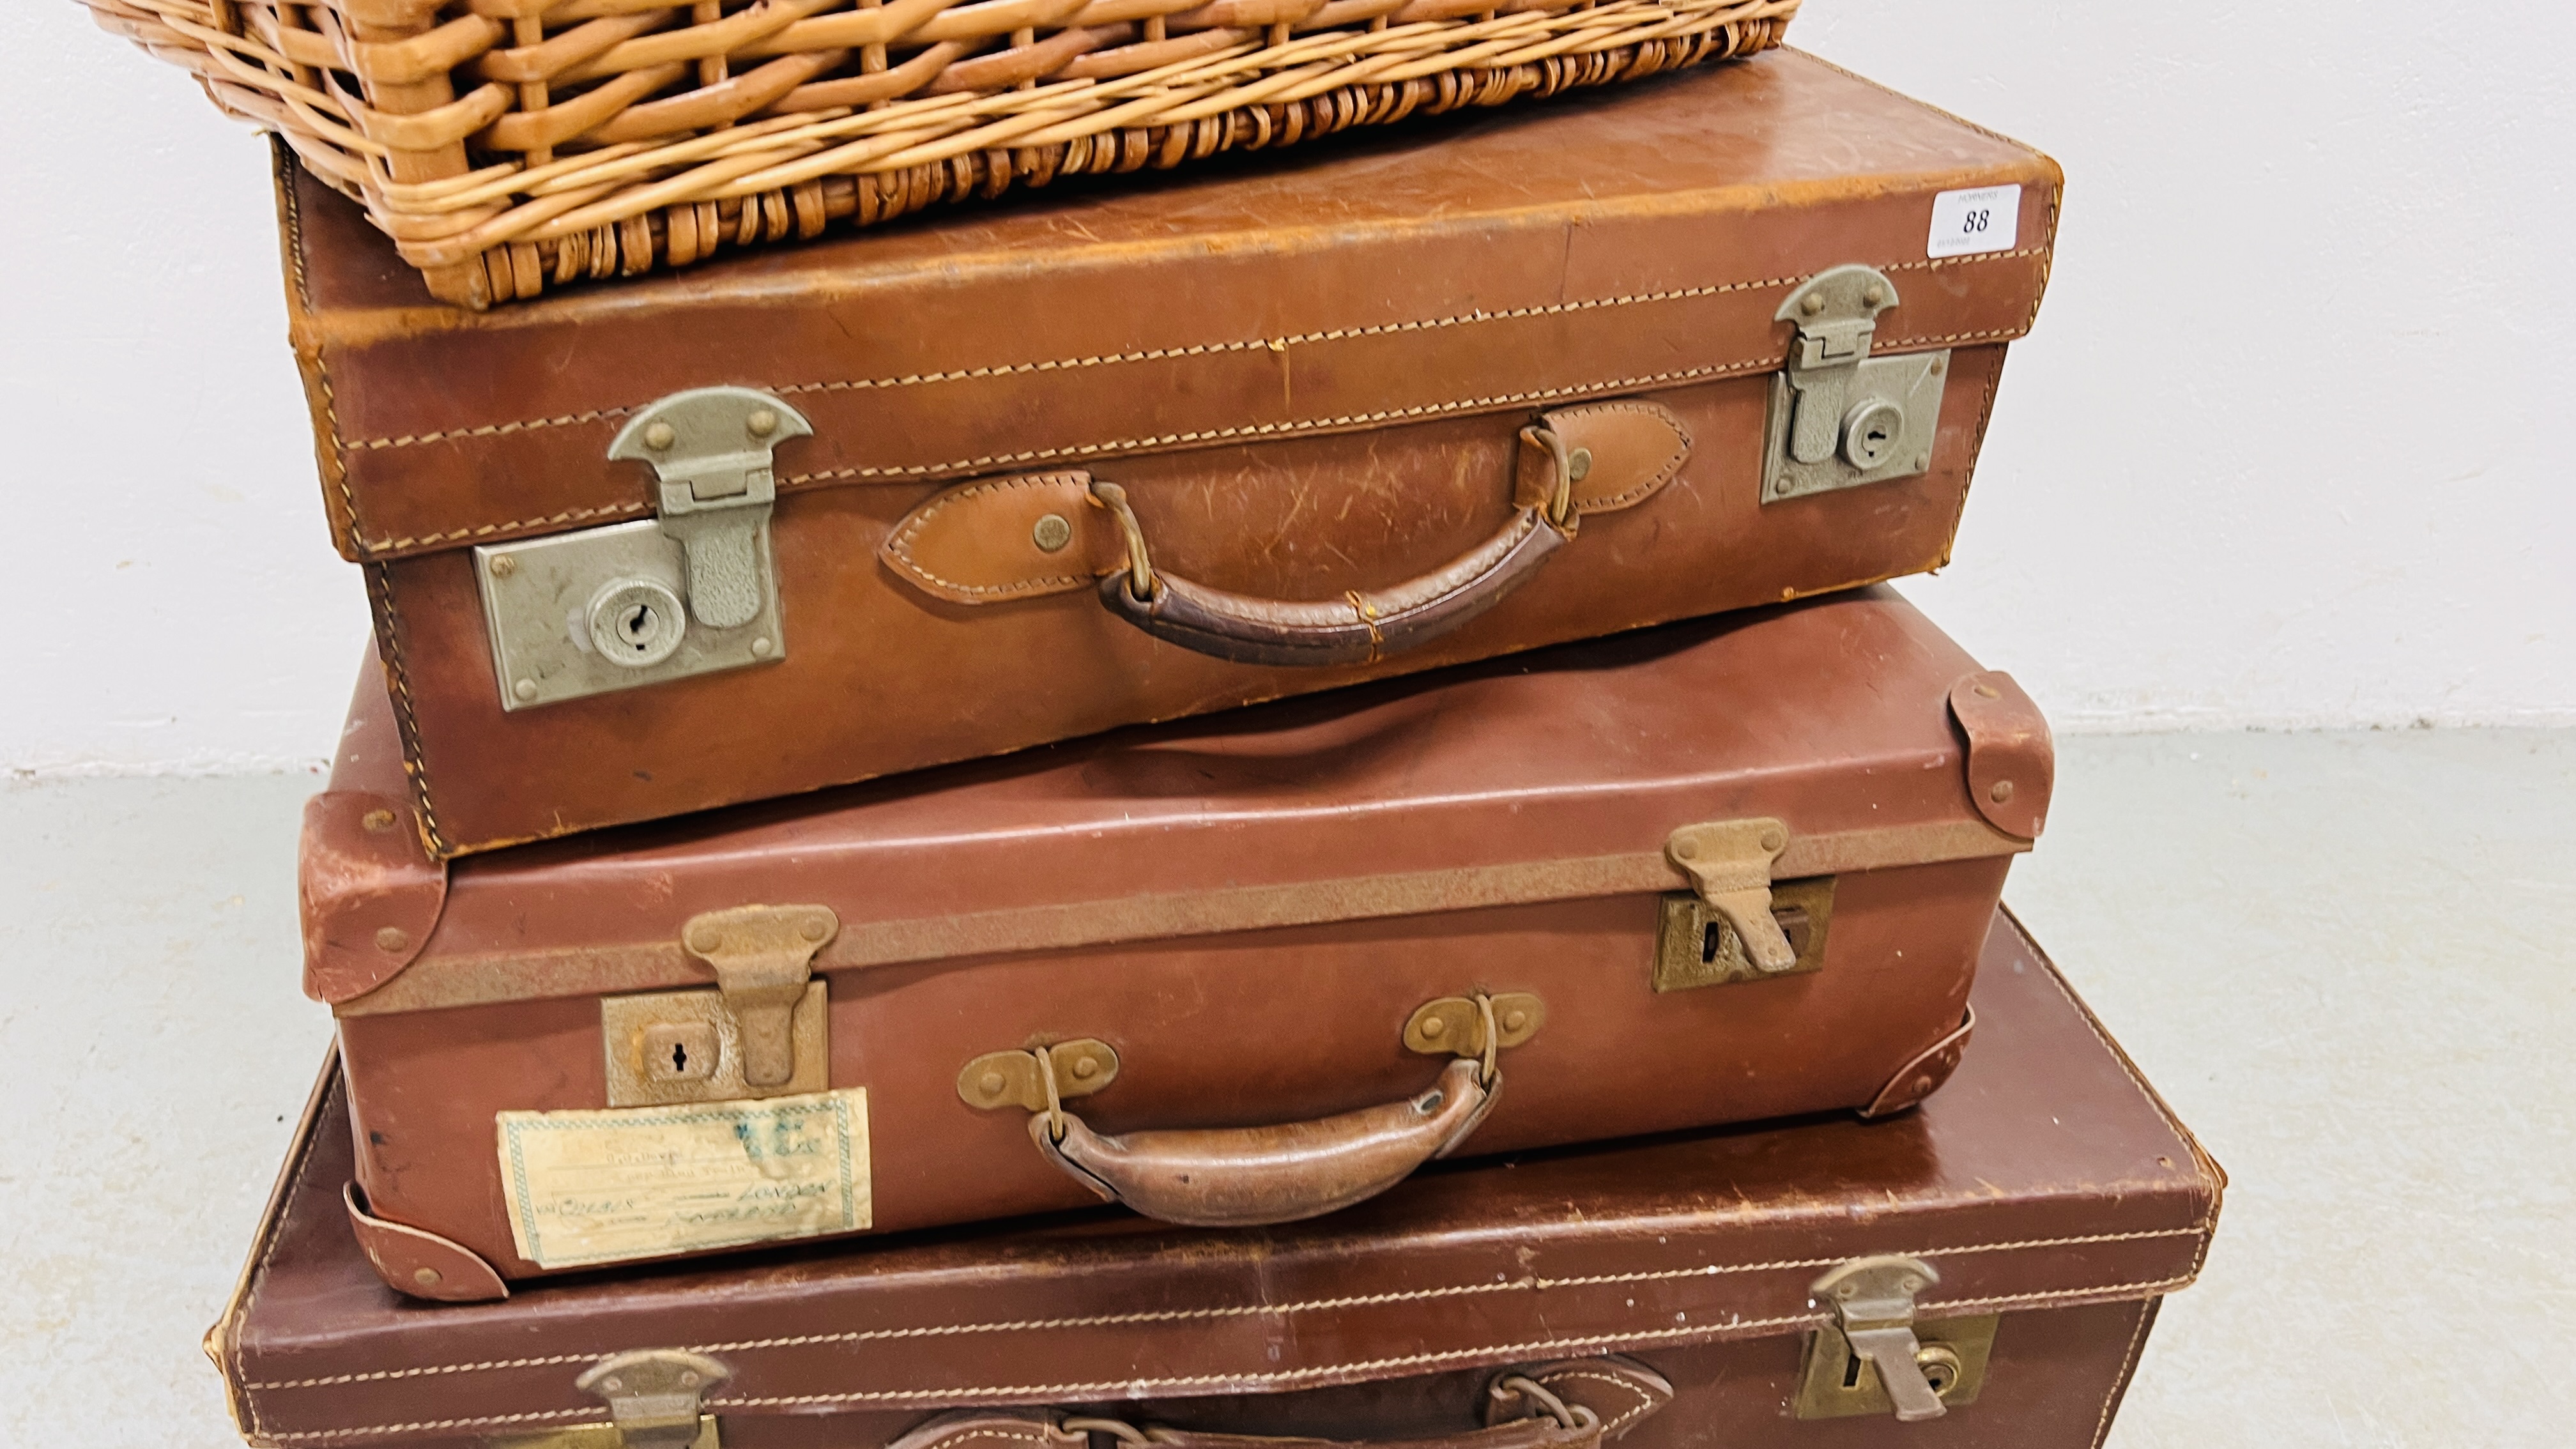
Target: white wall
<point>2289,447</point>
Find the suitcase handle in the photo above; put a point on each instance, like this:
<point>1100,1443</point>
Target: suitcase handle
<point>1570,1404</point>
<point>1362,626</point>
<point>1246,1176</point>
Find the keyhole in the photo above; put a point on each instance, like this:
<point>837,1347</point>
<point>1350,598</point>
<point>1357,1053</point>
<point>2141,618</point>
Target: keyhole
<point>1710,942</point>
<point>679,1059</point>
<point>637,625</point>
<point>1851,1371</point>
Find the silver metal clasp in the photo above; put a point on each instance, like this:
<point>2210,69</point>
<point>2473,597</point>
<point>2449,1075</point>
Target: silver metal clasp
<point>1876,1358</point>
<point>688,592</point>
<point>1840,417</point>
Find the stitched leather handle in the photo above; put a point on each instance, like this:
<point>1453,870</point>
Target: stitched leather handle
<point>1568,1404</point>
<point>1363,625</point>
<point>1243,1177</point>
<point>1357,628</point>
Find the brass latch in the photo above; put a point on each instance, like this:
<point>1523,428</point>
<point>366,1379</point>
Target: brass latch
<point>1876,1358</point>
<point>1840,417</point>
<point>1729,866</point>
<point>765,1031</point>
<point>1019,1079</point>
<point>1695,946</point>
<point>763,956</point>
<point>655,1401</point>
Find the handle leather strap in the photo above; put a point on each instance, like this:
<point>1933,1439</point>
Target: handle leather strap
<point>1360,627</point>
<point>1568,1404</point>
<point>1244,1177</point>
<point>1004,541</point>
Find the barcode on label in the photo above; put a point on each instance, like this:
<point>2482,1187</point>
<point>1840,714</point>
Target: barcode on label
<point>1964,223</point>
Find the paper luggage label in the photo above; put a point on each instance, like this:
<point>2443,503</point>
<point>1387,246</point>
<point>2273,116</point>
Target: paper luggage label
<point>644,1182</point>
<point>1979,219</point>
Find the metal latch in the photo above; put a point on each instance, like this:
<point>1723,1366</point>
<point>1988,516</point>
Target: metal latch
<point>763,1032</point>
<point>1019,1079</point>
<point>1697,947</point>
<point>1840,417</point>
<point>1729,865</point>
<point>1876,1358</point>
<point>655,1400</point>
<point>687,592</point>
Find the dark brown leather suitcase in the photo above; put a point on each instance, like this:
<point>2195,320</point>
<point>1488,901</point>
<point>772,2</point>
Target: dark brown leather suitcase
<point>1118,455</point>
<point>2041,1206</point>
<point>1237,971</point>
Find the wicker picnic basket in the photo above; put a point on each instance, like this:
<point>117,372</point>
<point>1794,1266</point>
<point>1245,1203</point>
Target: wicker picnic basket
<point>507,144</point>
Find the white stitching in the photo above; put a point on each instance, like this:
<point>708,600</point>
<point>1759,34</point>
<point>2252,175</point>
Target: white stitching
<point>1181,1315</point>
<point>2128,1366</point>
<point>259,1276</point>
<point>1201,349</point>
<point>1646,1402</point>
<point>900,543</point>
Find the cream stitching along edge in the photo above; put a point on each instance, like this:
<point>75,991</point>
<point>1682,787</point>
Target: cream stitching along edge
<point>1177,1315</point>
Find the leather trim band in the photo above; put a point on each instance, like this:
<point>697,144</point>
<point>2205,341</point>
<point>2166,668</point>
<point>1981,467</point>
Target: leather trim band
<point>661,965</point>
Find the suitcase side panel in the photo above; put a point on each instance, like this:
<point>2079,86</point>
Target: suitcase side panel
<point>1249,1030</point>
<point>880,678</point>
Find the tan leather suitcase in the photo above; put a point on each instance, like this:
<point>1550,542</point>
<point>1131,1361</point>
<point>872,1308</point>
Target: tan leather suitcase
<point>801,518</point>
<point>1239,971</point>
<point>2041,1206</point>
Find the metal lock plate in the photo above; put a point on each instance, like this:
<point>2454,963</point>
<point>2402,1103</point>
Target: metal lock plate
<point>685,1046</point>
<point>1840,417</point>
<point>1696,947</point>
<point>690,592</point>
<point>1837,1383</point>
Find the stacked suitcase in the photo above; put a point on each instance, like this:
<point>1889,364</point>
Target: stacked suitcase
<point>956,834</point>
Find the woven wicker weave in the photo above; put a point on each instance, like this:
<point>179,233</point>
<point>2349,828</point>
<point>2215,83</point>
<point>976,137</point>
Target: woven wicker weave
<point>507,144</point>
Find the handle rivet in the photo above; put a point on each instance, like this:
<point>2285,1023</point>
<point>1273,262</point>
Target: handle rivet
<point>1434,1029</point>
<point>1988,691</point>
<point>392,938</point>
<point>377,820</point>
<point>1085,1069</point>
<point>504,565</point>
<point>659,437</point>
<point>762,423</point>
<point>1053,532</point>
<point>525,689</point>
<point>705,942</point>
<point>1516,1021</point>
<point>1578,465</point>
<point>2002,791</point>
<point>990,1084</point>
<point>424,1276</point>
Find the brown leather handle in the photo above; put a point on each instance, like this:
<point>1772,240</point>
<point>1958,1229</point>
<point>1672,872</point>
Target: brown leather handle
<point>1568,1404</point>
<point>1363,625</point>
<point>1243,1177</point>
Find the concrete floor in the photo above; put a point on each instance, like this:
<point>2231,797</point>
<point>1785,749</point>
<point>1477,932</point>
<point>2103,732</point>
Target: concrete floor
<point>2343,958</point>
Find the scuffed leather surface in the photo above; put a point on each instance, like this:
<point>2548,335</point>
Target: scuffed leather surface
<point>2012,759</point>
<point>361,867</point>
<point>2046,1181</point>
<point>419,1264</point>
<point>1601,245</point>
<point>1830,716</point>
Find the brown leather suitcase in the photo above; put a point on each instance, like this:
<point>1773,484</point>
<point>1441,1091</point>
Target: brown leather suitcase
<point>1237,971</point>
<point>797,519</point>
<point>2041,1206</point>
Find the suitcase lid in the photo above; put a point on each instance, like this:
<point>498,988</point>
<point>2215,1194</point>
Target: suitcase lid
<point>2046,1174</point>
<point>1850,722</point>
<point>1636,239</point>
